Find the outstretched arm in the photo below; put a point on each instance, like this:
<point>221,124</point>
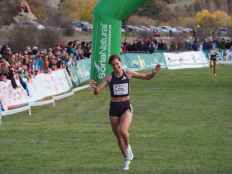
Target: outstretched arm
<point>146,76</point>
<point>97,87</point>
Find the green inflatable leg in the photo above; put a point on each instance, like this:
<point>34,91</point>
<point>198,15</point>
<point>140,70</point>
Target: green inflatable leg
<point>107,18</point>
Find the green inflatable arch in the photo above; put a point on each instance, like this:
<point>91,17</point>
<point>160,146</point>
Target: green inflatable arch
<point>107,21</point>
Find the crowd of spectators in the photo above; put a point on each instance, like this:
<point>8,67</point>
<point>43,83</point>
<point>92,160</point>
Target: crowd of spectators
<point>144,45</point>
<point>33,60</point>
<point>153,45</point>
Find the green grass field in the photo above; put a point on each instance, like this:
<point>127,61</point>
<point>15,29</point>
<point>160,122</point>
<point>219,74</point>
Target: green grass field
<point>182,125</point>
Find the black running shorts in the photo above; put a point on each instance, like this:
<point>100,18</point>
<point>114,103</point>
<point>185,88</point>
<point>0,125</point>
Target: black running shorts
<point>119,108</point>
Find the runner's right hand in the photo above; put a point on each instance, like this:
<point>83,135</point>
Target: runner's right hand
<point>93,84</point>
<point>157,68</point>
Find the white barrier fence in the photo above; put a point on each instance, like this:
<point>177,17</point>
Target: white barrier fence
<point>55,86</point>
<point>12,98</point>
<point>51,101</point>
<point>46,85</point>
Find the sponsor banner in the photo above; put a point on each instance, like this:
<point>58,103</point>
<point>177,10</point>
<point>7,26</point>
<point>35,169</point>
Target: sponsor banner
<point>225,62</point>
<point>61,81</point>
<point>83,70</point>
<point>12,98</point>
<point>138,62</point>
<point>45,85</point>
<point>80,72</point>
<point>223,56</point>
<point>73,74</point>
<point>41,86</point>
<point>191,59</point>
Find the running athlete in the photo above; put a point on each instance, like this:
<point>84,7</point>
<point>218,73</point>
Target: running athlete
<point>121,111</point>
<point>213,61</point>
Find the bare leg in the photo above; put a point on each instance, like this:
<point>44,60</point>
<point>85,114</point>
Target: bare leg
<point>120,127</point>
<point>125,122</point>
<point>214,68</point>
<point>115,124</point>
<point>210,66</point>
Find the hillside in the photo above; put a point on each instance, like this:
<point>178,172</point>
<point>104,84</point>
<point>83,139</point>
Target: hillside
<point>166,9</point>
<point>224,5</point>
<point>158,10</point>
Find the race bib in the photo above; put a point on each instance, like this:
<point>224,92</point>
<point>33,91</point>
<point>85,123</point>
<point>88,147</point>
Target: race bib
<point>120,89</point>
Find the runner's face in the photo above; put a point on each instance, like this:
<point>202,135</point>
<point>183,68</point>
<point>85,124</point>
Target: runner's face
<point>116,65</point>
